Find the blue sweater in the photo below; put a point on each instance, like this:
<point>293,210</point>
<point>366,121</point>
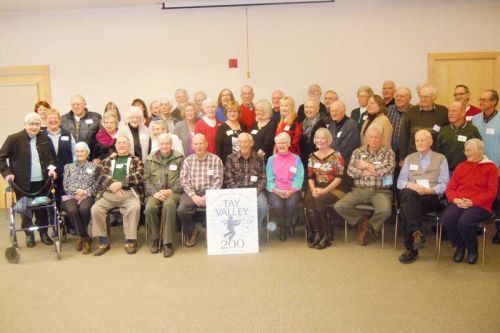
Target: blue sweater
<point>490,132</point>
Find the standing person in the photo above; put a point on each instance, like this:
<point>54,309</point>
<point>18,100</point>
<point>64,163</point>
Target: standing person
<point>80,189</point>
<point>314,92</point>
<point>181,98</point>
<point>325,170</point>
<point>137,133</point>
<point>106,137</point>
<point>208,124</point>
<point>247,108</point>
<point>225,96</point>
<point>200,172</point>
<point>226,139</point>
<point>360,114</point>
<point>461,94</point>
<point>142,105</point>
<point>264,129</point>
<point>276,98</point>
<point>157,128</point>
<point>28,159</point>
<point>163,190</point>
<point>184,129</point>
<point>377,115</point>
<point>165,113</point>
<point>113,108</point>
<point>82,123</point>
<point>388,91</point>
<point>396,113</point>
<point>199,97</point>
<point>41,107</point>
<point>290,124</point>
<point>311,123</point>
<point>285,176</point>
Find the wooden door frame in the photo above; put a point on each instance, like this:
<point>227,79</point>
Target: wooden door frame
<point>44,90</point>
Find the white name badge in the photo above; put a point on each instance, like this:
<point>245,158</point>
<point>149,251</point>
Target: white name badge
<point>253,178</point>
<point>65,138</point>
<point>436,128</point>
<point>317,165</point>
<point>468,118</point>
<point>118,166</point>
<point>89,121</point>
<point>210,172</point>
<point>377,163</point>
<point>462,138</point>
<point>413,167</point>
<point>293,169</point>
<point>287,128</point>
<point>387,181</point>
<point>89,171</point>
<point>423,182</point>
<point>172,167</point>
<point>229,133</point>
<point>365,117</point>
<point>363,156</point>
<point>51,167</point>
<point>339,134</point>
<point>254,131</point>
<point>234,141</point>
<point>490,131</point>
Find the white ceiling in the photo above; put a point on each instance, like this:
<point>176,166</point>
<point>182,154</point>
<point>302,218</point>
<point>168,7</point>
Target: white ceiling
<point>17,5</point>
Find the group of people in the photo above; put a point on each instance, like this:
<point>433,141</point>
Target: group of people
<point>163,161</point>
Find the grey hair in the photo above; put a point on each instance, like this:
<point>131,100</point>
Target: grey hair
<point>476,144</point>
<point>208,102</point>
<point>266,107</point>
<point>80,98</point>
<point>82,146</point>
<point>245,135</point>
<point>283,136</point>
<point>165,136</point>
<point>367,89</point>
<point>427,85</point>
<point>391,82</point>
<point>156,101</point>
<point>407,90</point>
<point>135,111</point>
<point>376,127</point>
<point>31,117</point>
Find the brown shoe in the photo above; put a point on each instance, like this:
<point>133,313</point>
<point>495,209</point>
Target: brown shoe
<point>87,245</point>
<point>364,227</point>
<point>101,249</point>
<point>79,243</point>
<point>130,247</point>
<point>192,239</point>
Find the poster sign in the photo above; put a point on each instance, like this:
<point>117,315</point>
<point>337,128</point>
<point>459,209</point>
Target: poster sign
<point>232,226</point>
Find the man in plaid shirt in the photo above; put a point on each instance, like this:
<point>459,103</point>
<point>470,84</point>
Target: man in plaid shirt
<point>372,168</point>
<point>119,178</point>
<point>246,168</point>
<point>200,171</point>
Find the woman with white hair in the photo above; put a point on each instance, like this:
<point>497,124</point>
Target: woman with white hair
<point>208,124</point>
<point>285,176</point>
<point>137,133</point>
<point>80,188</point>
<point>158,127</point>
<point>471,193</point>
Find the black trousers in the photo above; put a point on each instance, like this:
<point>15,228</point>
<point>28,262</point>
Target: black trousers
<point>413,208</point>
<point>79,214</point>
<point>40,214</point>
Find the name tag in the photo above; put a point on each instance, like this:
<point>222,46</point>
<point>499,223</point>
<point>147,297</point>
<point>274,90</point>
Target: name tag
<point>293,169</point>
<point>468,118</point>
<point>253,178</point>
<point>462,138</point>
<point>413,167</point>
<point>210,172</point>
<point>317,165</point>
<point>287,128</point>
<point>490,131</point>
<point>89,121</point>
<point>234,141</point>
<point>436,128</point>
<point>89,171</point>
<point>423,182</point>
<point>388,181</point>
<point>365,117</point>
<point>254,131</point>
<point>118,166</point>
<point>376,162</point>
<point>229,133</point>
<point>65,138</point>
<point>172,167</point>
<point>51,168</point>
<point>339,134</point>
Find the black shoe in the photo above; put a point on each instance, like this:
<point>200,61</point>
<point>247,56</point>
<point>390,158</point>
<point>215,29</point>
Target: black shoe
<point>155,247</point>
<point>324,243</point>
<point>459,254</point>
<point>408,256</point>
<point>315,240</point>
<point>472,255</point>
<point>30,240</point>
<point>283,234</point>
<point>496,239</point>
<point>168,250</point>
<point>46,239</point>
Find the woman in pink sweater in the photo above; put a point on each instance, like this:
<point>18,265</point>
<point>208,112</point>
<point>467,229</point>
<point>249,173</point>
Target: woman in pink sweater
<point>471,192</point>
<point>285,175</point>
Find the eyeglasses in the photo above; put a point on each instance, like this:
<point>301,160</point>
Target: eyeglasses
<point>459,94</point>
<point>484,100</point>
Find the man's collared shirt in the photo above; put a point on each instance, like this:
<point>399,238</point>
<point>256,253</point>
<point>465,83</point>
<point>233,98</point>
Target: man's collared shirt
<point>384,163</point>
<point>396,117</point>
<point>199,175</point>
<point>241,172</point>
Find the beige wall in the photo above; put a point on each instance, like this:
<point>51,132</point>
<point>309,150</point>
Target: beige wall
<point>120,54</point>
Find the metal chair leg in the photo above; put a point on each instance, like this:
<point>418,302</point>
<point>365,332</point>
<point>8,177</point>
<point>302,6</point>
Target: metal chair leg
<point>383,235</point>
<point>345,231</point>
<point>439,235</point>
<point>267,226</point>
<point>484,248</point>
<point>396,231</point>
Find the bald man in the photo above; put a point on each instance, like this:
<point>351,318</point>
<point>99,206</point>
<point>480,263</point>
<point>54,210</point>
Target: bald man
<point>422,180</point>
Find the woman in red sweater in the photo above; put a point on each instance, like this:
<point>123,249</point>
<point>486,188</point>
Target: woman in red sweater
<point>207,125</point>
<point>471,193</point>
<point>290,123</point>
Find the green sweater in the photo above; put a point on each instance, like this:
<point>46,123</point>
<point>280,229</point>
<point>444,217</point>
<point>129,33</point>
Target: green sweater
<point>451,142</point>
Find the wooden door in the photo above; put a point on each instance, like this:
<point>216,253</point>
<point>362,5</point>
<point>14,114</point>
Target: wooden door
<point>477,70</point>
<point>20,89</point>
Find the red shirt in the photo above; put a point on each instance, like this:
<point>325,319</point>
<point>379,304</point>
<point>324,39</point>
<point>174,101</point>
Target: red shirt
<point>209,132</point>
<point>295,132</point>
<point>247,116</point>
<point>477,181</point>
<point>471,113</point>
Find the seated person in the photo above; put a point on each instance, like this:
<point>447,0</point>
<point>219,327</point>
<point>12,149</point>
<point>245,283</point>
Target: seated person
<point>372,168</point>
<point>118,179</point>
<point>325,171</point>
<point>163,190</point>
<point>80,188</point>
<point>246,168</point>
<point>471,193</point>
<point>285,175</point>
<point>200,171</point>
<point>422,180</point>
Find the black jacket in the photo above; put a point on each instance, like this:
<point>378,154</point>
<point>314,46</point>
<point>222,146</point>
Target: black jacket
<point>89,125</point>
<point>17,150</point>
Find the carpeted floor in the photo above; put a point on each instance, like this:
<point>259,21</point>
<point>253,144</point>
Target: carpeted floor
<point>285,288</point>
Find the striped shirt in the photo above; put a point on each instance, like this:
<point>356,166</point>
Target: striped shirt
<point>199,175</point>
